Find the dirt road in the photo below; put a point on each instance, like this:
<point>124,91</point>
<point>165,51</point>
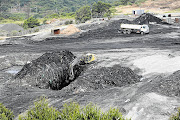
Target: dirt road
<point>138,101</point>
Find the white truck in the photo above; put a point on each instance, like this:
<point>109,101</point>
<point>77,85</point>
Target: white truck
<point>129,28</point>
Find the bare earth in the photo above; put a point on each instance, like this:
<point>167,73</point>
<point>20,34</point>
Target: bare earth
<point>153,6</point>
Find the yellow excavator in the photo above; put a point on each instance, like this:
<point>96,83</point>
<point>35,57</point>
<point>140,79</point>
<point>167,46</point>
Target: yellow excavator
<point>84,59</point>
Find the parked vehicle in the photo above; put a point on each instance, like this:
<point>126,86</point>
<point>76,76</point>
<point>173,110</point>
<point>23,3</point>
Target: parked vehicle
<point>129,28</point>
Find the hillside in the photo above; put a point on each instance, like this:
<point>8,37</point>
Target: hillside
<point>153,6</point>
<point>45,6</point>
<point>41,8</point>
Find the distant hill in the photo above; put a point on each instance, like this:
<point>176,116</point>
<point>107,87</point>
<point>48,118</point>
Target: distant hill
<point>45,6</point>
<point>152,6</point>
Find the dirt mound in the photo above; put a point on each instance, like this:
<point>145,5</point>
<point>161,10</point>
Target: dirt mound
<point>49,70</point>
<point>105,30</point>
<point>146,18</point>
<point>10,27</point>
<point>169,86</point>
<point>104,77</point>
<point>71,29</point>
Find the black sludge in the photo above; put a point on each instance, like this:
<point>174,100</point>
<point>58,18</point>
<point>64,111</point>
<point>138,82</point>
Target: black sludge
<point>49,70</point>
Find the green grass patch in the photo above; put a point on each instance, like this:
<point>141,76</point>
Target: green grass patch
<point>5,21</point>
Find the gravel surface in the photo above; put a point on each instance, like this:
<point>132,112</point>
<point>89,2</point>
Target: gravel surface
<point>107,87</point>
<point>10,27</point>
<point>169,86</point>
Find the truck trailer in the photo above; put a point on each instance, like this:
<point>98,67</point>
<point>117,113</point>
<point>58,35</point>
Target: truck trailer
<point>129,28</point>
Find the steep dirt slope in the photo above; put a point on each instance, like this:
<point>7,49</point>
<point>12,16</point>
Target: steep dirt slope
<point>154,6</point>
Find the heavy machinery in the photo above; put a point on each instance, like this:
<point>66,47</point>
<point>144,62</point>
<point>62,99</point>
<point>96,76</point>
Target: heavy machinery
<point>129,28</point>
<point>84,59</point>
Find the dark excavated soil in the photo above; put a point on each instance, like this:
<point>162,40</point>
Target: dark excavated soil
<point>169,86</point>
<point>49,70</point>
<point>146,18</point>
<point>104,77</point>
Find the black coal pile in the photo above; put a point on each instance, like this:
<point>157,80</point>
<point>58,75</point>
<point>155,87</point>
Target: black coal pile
<point>113,76</point>
<point>107,30</point>
<point>146,18</point>
<point>49,70</point>
<point>105,77</point>
<point>169,86</point>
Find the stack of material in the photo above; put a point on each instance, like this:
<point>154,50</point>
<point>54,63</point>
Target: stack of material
<point>105,77</point>
<point>114,76</point>
<point>169,86</point>
<point>49,70</point>
<point>146,18</point>
<point>10,27</point>
<point>71,29</point>
<point>104,30</point>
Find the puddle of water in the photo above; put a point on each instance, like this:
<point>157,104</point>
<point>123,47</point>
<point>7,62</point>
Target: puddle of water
<point>13,70</point>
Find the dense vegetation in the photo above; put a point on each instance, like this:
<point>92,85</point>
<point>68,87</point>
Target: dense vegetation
<point>5,113</point>
<point>42,8</point>
<point>70,111</point>
<point>31,23</point>
<point>98,10</point>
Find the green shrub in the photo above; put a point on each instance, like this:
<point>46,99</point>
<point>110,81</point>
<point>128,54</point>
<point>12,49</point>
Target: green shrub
<point>31,23</point>
<point>83,14</point>
<point>71,111</point>
<point>176,116</point>
<point>36,30</point>
<point>91,112</point>
<point>113,114</point>
<point>68,22</point>
<point>5,113</point>
<point>41,111</point>
<point>44,21</point>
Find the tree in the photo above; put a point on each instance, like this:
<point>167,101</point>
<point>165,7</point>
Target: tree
<point>31,23</point>
<point>83,14</point>
<point>100,8</point>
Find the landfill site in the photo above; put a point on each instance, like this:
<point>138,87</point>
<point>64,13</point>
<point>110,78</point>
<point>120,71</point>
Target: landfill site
<point>137,73</point>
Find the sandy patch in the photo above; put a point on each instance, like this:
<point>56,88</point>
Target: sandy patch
<point>149,105</point>
<point>158,64</point>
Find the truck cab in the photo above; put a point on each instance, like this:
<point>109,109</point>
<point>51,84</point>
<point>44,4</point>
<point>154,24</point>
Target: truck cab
<point>144,29</point>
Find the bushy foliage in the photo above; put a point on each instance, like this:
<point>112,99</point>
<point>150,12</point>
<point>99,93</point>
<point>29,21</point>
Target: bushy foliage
<point>91,112</point>
<point>101,8</point>
<point>68,22</point>
<point>31,23</point>
<point>54,15</point>
<point>70,111</point>
<point>73,111</point>
<point>83,14</point>
<point>5,113</point>
<point>36,30</point>
<point>176,116</point>
<point>113,114</point>
<point>41,111</point>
